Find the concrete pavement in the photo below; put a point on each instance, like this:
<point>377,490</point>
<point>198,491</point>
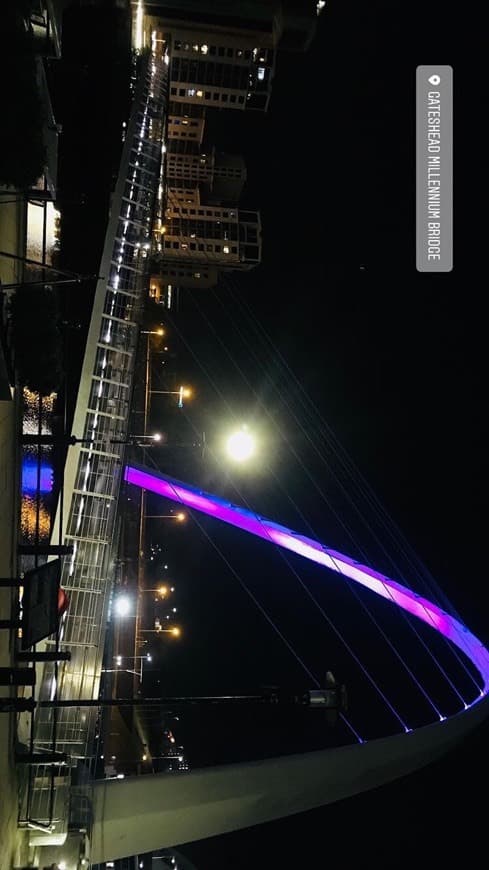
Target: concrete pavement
<point>13,842</point>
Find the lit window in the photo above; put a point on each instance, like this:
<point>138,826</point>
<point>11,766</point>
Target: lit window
<point>226,249</point>
<point>191,92</point>
<point>195,47</point>
<point>200,93</point>
<point>204,49</point>
<point>261,73</point>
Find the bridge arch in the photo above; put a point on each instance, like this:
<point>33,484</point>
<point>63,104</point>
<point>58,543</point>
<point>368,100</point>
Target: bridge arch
<point>141,814</point>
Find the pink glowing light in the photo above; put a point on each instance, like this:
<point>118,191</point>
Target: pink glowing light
<point>313,550</point>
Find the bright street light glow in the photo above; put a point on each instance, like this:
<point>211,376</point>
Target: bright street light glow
<point>122,605</point>
<point>182,393</point>
<point>240,445</point>
<point>155,436</point>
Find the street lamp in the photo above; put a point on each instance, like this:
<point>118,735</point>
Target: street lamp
<point>118,659</point>
<point>139,673</point>
<point>182,393</point>
<point>162,591</point>
<point>240,445</point>
<point>175,631</point>
<point>155,436</point>
<point>122,605</point>
<point>159,332</point>
<point>180,516</point>
<point>129,439</point>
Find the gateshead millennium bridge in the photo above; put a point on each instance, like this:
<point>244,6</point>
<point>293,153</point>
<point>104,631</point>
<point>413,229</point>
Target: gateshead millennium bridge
<point>141,814</point>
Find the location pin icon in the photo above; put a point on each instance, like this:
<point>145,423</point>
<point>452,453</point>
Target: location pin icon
<point>434,80</point>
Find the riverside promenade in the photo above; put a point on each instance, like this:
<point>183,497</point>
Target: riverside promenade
<point>13,842</point>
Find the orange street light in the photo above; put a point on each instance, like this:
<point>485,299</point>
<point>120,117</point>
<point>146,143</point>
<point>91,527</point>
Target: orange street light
<point>182,393</point>
<point>175,631</point>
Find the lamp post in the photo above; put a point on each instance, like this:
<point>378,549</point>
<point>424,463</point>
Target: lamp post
<point>162,591</point>
<point>180,516</point>
<point>147,396</point>
<point>131,439</point>
<point>124,671</point>
<point>141,659</point>
<point>182,393</point>
<point>175,631</point>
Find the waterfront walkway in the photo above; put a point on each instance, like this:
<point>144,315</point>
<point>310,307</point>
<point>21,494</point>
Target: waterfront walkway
<point>13,851</point>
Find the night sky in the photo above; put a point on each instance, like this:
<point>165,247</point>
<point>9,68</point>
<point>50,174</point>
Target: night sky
<point>335,339</point>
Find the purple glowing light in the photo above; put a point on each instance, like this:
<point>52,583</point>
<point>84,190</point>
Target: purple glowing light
<point>34,478</point>
<point>310,549</point>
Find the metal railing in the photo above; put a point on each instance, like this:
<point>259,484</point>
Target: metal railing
<point>86,514</point>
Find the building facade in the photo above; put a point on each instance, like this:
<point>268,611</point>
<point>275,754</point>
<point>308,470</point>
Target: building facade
<point>220,55</point>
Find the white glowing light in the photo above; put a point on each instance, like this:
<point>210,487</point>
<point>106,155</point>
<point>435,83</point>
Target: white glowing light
<point>139,27</point>
<point>240,445</point>
<point>122,605</point>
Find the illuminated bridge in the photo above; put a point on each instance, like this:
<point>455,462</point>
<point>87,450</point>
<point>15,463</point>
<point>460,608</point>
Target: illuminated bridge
<point>142,814</point>
<point>87,512</point>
